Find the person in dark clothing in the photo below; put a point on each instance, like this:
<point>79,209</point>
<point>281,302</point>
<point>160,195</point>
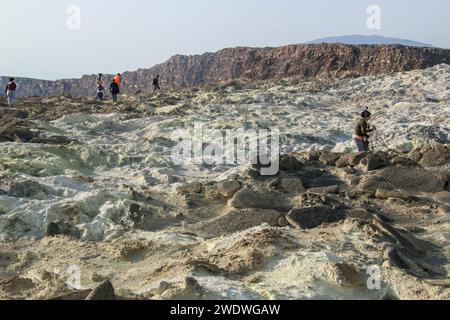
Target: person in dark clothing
<point>114,89</point>
<point>360,136</point>
<point>10,92</point>
<point>156,84</point>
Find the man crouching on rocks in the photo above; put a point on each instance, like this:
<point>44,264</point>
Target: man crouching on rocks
<point>360,136</point>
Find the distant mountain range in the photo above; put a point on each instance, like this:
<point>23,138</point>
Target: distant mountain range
<point>369,40</point>
<point>302,61</point>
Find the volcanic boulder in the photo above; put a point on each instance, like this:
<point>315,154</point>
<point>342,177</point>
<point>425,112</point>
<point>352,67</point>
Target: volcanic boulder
<point>246,199</point>
<point>229,188</point>
<point>313,217</point>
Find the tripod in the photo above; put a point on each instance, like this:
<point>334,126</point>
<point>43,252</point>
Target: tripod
<point>380,141</point>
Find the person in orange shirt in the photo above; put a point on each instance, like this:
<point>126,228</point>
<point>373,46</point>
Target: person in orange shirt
<point>118,78</point>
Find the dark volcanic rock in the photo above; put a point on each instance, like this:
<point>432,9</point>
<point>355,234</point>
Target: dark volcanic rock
<point>313,217</point>
<point>52,229</point>
<point>105,291</point>
<point>246,199</point>
<point>405,178</point>
<point>351,159</point>
<point>62,228</point>
<point>290,164</point>
<point>56,140</point>
<point>329,158</point>
<point>414,179</point>
<point>24,189</point>
<point>22,134</point>
<point>310,199</point>
<point>377,160</point>
<point>229,188</point>
<point>325,190</point>
<point>325,180</point>
<point>72,296</point>
<point>238,220</point>
<point>342,162</point>
<point>13,113</point>
<point>386,194</point>
<point>292,185</point>
<point>194,187</point>
<point>435,156</point>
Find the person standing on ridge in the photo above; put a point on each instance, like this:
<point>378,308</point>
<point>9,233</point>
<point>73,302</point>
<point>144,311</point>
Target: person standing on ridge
<point>100,88</point>
<point>118,79</point>
<point>114,89</point>
<point>360,136</point>
<point>10,92</point>
<point>156,84</point>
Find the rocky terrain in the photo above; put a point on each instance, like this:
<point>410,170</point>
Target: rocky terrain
<point>91,187</point>
<point>301,61</point>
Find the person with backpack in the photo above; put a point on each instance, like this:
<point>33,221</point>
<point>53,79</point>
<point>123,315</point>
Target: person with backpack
<point>360,136</point>
<point>114,89</point>
<point>156,84</point>
<point>10,92</point>
<point>100,88</point>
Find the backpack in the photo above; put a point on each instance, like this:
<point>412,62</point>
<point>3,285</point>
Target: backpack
<point>100,86</point>
<point>12,86</point>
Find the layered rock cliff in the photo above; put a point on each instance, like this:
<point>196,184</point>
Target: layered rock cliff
<point>301,61</point>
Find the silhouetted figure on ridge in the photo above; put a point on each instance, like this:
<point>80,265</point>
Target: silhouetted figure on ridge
<point>100,88</point>
<point>115,90</point>
<point>156,84</point>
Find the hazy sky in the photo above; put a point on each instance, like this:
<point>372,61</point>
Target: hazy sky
<point>120,35</point>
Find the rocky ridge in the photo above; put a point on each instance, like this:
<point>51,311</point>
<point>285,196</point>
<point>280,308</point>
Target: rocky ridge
<point>299,61</point>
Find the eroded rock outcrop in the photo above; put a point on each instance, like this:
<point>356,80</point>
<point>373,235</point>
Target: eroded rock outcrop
<point>301,61</point>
